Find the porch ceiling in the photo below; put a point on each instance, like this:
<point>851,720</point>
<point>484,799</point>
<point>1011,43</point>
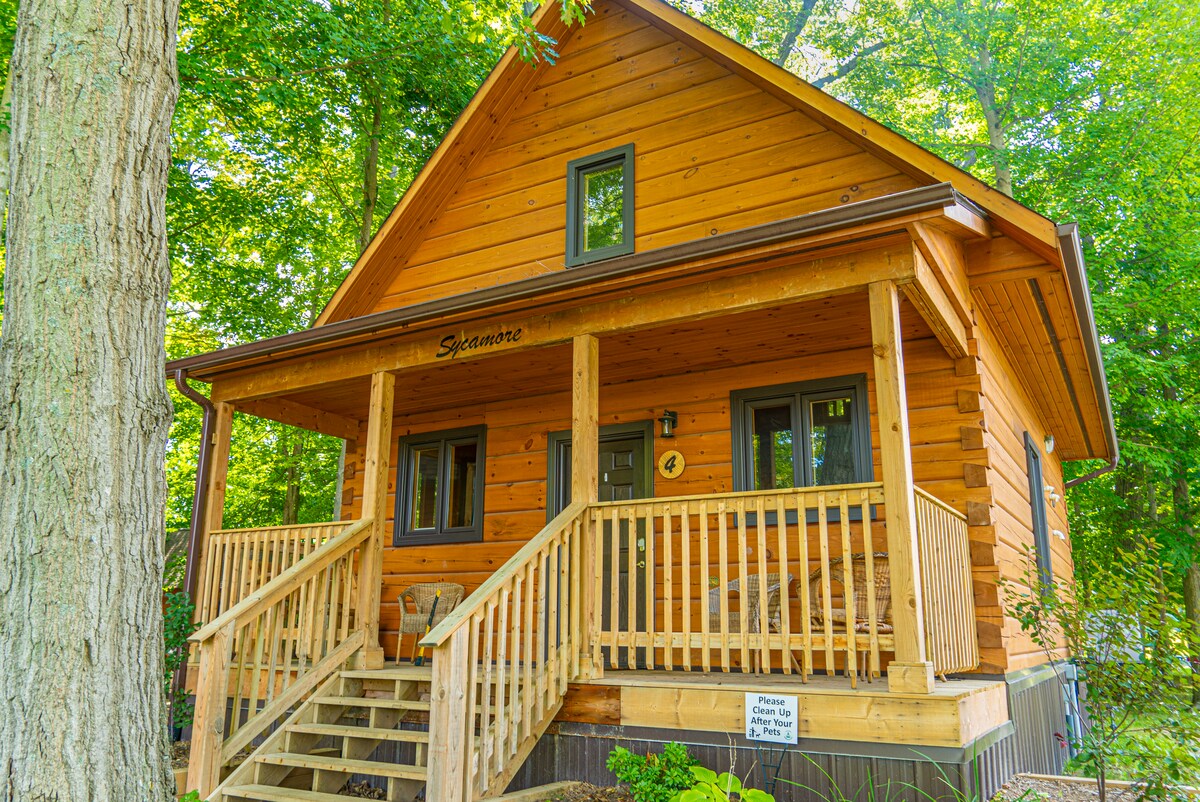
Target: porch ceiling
<point>812,328</point>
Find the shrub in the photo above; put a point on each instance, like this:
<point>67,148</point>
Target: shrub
<point>177,628</point>
<point>653,778</point>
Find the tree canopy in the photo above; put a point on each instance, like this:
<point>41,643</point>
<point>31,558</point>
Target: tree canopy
<point>300,124</point>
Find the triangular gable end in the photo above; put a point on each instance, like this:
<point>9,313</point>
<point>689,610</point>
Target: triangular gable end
<point>724,139</point>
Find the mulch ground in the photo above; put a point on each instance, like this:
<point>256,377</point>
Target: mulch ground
<point>1036,790</point>
<point>584,792</point>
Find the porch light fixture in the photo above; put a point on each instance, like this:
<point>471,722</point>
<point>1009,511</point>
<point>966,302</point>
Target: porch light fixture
<point>1049,443</point>
<point>669,421</point>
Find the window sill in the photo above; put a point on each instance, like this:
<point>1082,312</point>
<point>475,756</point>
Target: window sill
<point>402,539</point>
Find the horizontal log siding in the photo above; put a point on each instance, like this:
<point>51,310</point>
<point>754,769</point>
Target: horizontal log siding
<point>713,154</point>
<point>1009,414</point>
<point>834,341</point>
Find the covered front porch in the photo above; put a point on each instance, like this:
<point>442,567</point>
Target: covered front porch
<point>828,589</point>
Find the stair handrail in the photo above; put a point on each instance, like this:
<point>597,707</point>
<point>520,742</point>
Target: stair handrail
<point>476,600</point>
<point>319,585</point>
<point>500,668</point>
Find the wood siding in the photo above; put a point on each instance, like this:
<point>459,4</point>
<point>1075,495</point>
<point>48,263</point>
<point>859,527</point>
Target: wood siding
<point>1007,531</point>
<point>713,154</point>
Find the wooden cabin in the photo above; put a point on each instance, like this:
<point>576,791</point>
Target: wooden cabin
<point>701,384</point>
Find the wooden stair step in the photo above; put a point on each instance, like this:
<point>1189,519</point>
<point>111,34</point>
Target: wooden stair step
<point>346,765</point>
<point>415,673</point>
<point>361,701</point>
<point>269,793</point>
<point>370,733</point>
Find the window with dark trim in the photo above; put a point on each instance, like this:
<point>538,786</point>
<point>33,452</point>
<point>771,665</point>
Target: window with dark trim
<point>1037,501</point>
<point>600,206</point>
<point>439,492</point>
<point>801,435</point>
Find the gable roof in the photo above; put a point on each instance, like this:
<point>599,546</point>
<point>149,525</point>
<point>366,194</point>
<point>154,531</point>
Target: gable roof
<point>512,78</point>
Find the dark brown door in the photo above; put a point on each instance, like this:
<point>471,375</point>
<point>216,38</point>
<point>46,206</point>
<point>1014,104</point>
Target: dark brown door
<point>623,476</point>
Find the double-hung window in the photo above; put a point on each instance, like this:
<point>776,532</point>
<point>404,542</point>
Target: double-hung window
<point>439,495</point>
<point>600,206</point>
<point>801,435</point>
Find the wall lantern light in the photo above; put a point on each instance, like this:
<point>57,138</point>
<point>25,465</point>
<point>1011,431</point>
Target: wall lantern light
<point>1049,443</point>
<point>669,421</point>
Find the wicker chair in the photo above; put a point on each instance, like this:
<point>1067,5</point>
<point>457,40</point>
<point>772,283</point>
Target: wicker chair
<point>749,603</point>
<point>882,581</point>
<point>420,597</point>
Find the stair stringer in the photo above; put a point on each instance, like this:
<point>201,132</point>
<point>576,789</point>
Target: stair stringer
<point>243,774</point>
<point>500,781</point>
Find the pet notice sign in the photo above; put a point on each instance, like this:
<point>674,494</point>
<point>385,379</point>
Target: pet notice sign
<point>772,717</point>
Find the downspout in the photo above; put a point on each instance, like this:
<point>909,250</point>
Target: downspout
<point>1072,254</point>
<point>199,502</point>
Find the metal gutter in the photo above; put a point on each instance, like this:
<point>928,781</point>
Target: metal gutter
<point>923,199</point>
<point>199,502</point>
<point>1081,299</point>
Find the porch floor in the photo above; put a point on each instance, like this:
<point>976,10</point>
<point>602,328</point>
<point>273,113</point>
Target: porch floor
<point>956,714</point>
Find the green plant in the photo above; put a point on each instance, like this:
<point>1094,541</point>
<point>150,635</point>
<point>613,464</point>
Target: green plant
<point>711,787</point>
<point>835,792</point>
<point>191,796</point>
<point>1123,631</point>
<point>178,626</point>
<point>651,777</point>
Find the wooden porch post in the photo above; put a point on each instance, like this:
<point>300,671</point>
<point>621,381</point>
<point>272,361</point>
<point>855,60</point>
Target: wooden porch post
<point>585,414</point>
<point>213,514</point>
<point>911,672</point>
<point>585,479</point>
<point>374,506</point>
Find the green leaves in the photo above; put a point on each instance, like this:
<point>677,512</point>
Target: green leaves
<point>709,786</point>
<point>655,778</point>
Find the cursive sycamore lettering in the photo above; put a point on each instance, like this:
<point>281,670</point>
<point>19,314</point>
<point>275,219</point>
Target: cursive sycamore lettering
<point>452,346</point>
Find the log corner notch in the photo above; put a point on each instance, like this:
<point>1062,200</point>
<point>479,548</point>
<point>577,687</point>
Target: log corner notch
<point>911,672</point>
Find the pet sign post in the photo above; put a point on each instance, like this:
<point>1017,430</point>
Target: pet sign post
<point>772,717</point>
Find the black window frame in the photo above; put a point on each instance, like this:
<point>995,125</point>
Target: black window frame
<point>798,395</point>
<point>623,156</point>
<point>1037,504</point>
<point>440,533</point>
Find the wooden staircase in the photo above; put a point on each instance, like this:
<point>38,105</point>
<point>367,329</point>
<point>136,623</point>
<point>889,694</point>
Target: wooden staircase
<point>274,677</point>
<point>371,724</point>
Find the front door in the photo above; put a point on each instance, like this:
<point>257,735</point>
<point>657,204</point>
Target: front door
<point>625,475</point>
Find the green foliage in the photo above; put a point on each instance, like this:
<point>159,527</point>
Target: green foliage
<point>708,786</point>
<point>1129,645</point>
<point>178,611</point>
<point>651,777</point>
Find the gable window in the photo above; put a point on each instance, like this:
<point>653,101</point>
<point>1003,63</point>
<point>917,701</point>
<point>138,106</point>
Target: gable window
<point>1037,501</point>
<point>801,435</point>
<point>600,206</point>
<point>439,496</point>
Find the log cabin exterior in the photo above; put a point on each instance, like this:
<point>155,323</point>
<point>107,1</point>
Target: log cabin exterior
<point>872,362</point>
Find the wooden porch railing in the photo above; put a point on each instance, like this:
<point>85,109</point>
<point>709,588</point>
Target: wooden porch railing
<point>951,639</point>
<point>502,661</point>
<point>240,561</point>
<point>268,652</point>
<point>742,581</point>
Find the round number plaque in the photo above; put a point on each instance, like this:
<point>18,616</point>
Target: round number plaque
<point>671,465</point>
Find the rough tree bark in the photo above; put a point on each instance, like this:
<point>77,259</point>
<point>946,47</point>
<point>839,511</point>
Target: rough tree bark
<point>83,404</point>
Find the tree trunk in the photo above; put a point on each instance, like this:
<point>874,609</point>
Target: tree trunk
<point>291,495</point>
<point>985,91</point>
<point>1181,498</point>
<point>83,404</point>
<point>371,172</point>
<point>793,34</point>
